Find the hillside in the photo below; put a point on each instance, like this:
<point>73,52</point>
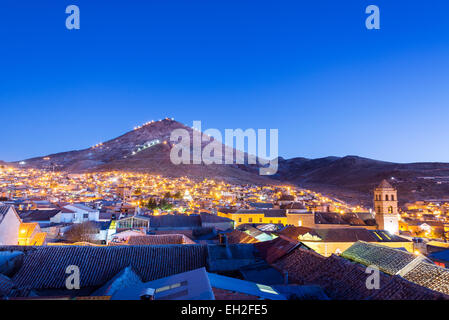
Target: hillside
<point>353,178</point>
<point>145,149</point>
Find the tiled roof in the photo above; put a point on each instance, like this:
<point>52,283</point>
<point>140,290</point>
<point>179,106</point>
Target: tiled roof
<point>9,289</point>
<point>388,260</point>
<point>343,280</point>
<point>416,269</point>
<point>6,286</point>
<point>400,289</point>
<point>299,264</point>
<point>430,276</point>
<point>273,250</point>
<point>45,267</point>
<point>159,240</point>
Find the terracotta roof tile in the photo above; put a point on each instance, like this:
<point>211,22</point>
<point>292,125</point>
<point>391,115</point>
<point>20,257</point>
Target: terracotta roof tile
<point>430,276</point>
<point>401,289</point>
<point>273,250</point>
<point>299,264</point>
<point>343,280</point>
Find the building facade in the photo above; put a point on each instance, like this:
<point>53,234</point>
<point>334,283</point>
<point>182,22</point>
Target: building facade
<point>386,207</point>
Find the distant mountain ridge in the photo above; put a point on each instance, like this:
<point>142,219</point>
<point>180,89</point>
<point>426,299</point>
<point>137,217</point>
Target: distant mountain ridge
<point>351,178</point>
<point>354,177</point>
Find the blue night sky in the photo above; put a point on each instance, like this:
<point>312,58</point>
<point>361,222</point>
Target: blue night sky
<point>308,68</point>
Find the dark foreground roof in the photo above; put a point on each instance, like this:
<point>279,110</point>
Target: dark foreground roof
<point>342,279</point>
<point>400,289</point>
<point>45,267</point>
<point>299,264</point>
<point>430,276</point>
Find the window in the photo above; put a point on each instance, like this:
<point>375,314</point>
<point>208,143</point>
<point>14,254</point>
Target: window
<point>260,220</point>
<point>378,209</point>
<point>392,197</point>
<point>386,197</point>
<point>250,220</point>
<point>85,216</point>
<point>390,209</point>
<point>240,219</point>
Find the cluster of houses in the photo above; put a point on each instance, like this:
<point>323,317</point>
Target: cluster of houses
<point>173,267</point>
<point>275,251</point>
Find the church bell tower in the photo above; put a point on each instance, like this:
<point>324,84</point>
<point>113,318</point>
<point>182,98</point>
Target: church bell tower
<point>386,207</point>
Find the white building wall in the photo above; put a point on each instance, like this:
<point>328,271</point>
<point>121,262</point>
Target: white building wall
<point>9,229</point>
<point>78,215</point>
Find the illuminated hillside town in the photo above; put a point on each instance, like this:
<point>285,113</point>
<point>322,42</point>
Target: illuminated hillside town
<point>307,161</point>
<point>244,242</point>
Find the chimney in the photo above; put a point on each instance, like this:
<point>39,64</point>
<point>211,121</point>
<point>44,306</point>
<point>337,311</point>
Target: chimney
<point>147,294</point>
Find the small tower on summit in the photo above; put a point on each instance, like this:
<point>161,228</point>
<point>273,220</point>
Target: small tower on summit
<point>386,207</point>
